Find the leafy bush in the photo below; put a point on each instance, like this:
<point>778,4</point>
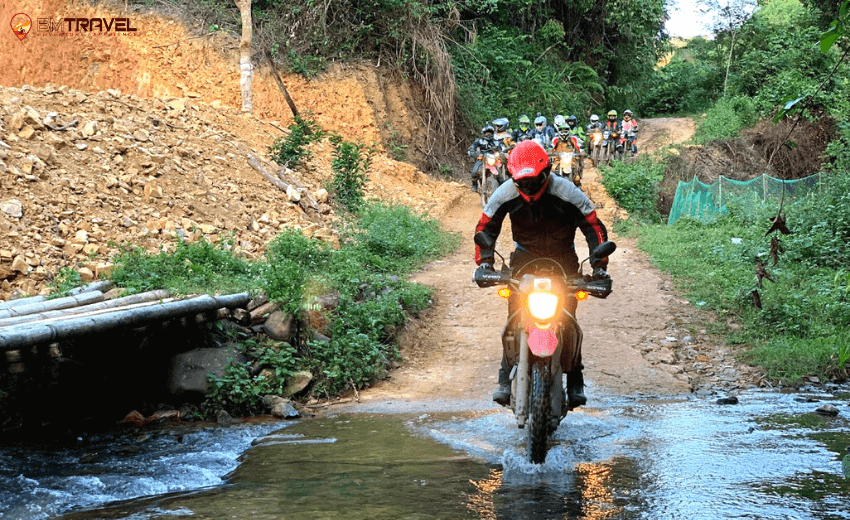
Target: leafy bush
<point>350,164</point>
<point>290,150</point>
<point>633,184</point>
<point>192,267</point>
<point>725,119</point>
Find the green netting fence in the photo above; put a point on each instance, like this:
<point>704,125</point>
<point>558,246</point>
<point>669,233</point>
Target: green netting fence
<point>705,202</point>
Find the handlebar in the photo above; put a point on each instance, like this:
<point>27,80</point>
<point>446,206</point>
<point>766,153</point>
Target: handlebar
<point>595,288</point>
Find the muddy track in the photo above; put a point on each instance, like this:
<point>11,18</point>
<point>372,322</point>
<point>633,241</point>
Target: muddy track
<point>643,339</point>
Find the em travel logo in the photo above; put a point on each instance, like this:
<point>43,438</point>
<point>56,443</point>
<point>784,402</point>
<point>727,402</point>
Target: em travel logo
<point>22,26</point>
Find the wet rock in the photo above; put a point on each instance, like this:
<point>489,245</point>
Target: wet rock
<point>222,417</point>
<point>827,409</point>
<point>134,418</point>
<point>728,400</point>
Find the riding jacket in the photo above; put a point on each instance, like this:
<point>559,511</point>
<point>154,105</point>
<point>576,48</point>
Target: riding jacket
<point>481,145</point>
<point>545,228</point>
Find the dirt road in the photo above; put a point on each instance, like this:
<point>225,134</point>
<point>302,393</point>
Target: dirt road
<point>642,339</point>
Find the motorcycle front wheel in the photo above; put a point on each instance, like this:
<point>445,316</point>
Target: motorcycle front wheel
<point>489,186</point>
<point>538,412</point>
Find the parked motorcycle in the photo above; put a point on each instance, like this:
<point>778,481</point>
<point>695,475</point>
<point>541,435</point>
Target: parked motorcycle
<point>540,337</point>
<point>490,174</point>
<point>568,165</point>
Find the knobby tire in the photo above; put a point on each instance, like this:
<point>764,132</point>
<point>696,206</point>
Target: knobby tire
<point>490,185</point>
<point>538,413</point>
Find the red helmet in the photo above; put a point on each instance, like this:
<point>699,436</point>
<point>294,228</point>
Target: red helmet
<point>529,166</point>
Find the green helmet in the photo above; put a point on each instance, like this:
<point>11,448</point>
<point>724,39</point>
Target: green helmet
<point>524,122</point>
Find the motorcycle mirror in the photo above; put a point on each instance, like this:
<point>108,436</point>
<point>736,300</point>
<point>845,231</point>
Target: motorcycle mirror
<point>483,240</point>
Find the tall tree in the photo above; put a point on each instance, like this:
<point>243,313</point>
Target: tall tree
<point>246,67</point>
<point>727,17</point>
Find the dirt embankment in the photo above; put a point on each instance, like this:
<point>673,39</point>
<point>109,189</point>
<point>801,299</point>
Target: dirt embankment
<point>114,139</point>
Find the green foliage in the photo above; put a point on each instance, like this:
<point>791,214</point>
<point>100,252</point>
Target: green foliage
<point>66,279</point>
<point>725,119</point>
<point>805,316</point>
<point>398,240</point>
<point>192,267</point>
<point>397,148</point>
<point>289,151</point>
<point>235,391</point>
<point>350,165</point>
<point>633,184</point>
<point>503,73</point>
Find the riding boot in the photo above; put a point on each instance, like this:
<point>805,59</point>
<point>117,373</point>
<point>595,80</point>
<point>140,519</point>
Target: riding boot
<point>502,395</point>
<point>474,185</point>
<point>575,388</point>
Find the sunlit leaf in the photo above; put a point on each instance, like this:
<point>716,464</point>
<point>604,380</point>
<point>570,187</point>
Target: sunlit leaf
<point>790,104</point>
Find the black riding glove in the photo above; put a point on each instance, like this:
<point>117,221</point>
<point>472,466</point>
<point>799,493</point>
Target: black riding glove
<point>484,267</point>
<point>600,274</point>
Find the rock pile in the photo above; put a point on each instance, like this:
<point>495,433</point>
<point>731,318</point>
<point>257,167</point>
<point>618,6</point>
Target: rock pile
<point>83,173</point>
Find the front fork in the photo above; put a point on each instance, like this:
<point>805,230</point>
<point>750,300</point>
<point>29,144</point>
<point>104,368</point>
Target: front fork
<point>520,383</point>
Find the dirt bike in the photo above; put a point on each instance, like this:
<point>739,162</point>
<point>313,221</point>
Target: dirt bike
<point>594,139</point>
<point>490,174</point>
<point>630,137</point>
<point>610,143</point>
<point>569,165</point>
<point>542,338</point>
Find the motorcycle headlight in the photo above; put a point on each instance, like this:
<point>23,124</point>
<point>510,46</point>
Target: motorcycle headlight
<point>491,160</point>
<point>542,305</point>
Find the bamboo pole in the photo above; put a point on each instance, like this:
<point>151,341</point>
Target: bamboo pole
<point>95,308</point>
<point>52,305</point>
<point>12,338</point>
<point>101,286</point>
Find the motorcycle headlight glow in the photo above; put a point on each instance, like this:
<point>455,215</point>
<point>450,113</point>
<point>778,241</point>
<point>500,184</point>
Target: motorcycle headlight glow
<point>491,160</point>
<point>542,305</point>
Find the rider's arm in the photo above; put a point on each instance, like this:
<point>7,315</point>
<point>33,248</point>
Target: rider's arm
<point>490,223</point>
<point>595,233</point>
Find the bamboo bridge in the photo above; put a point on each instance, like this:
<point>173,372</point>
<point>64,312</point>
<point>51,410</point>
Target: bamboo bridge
<point>29,325</point>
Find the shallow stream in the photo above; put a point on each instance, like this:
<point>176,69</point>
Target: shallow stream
<point>623,458</point>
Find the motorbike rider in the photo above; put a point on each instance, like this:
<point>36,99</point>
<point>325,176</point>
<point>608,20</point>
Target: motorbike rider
<point>525,131</point>
<point>503,132</point>
<point>486,143</point>
<point>564,134</point>
<point>576,132</point>
<point>614,125</point>
<point>545,211</point>
<point>543,131</point>
<point>594,124</point>
<point>630,128</point>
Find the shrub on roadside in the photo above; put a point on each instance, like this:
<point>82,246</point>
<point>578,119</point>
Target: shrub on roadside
<point>634,185</point>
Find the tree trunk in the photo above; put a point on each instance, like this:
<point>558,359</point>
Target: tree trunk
<point>245,65</point>
<point>728,63</point>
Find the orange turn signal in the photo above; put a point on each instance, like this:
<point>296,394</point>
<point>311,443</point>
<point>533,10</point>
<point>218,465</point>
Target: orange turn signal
<point>581,295</point>
<point>505,292</point>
